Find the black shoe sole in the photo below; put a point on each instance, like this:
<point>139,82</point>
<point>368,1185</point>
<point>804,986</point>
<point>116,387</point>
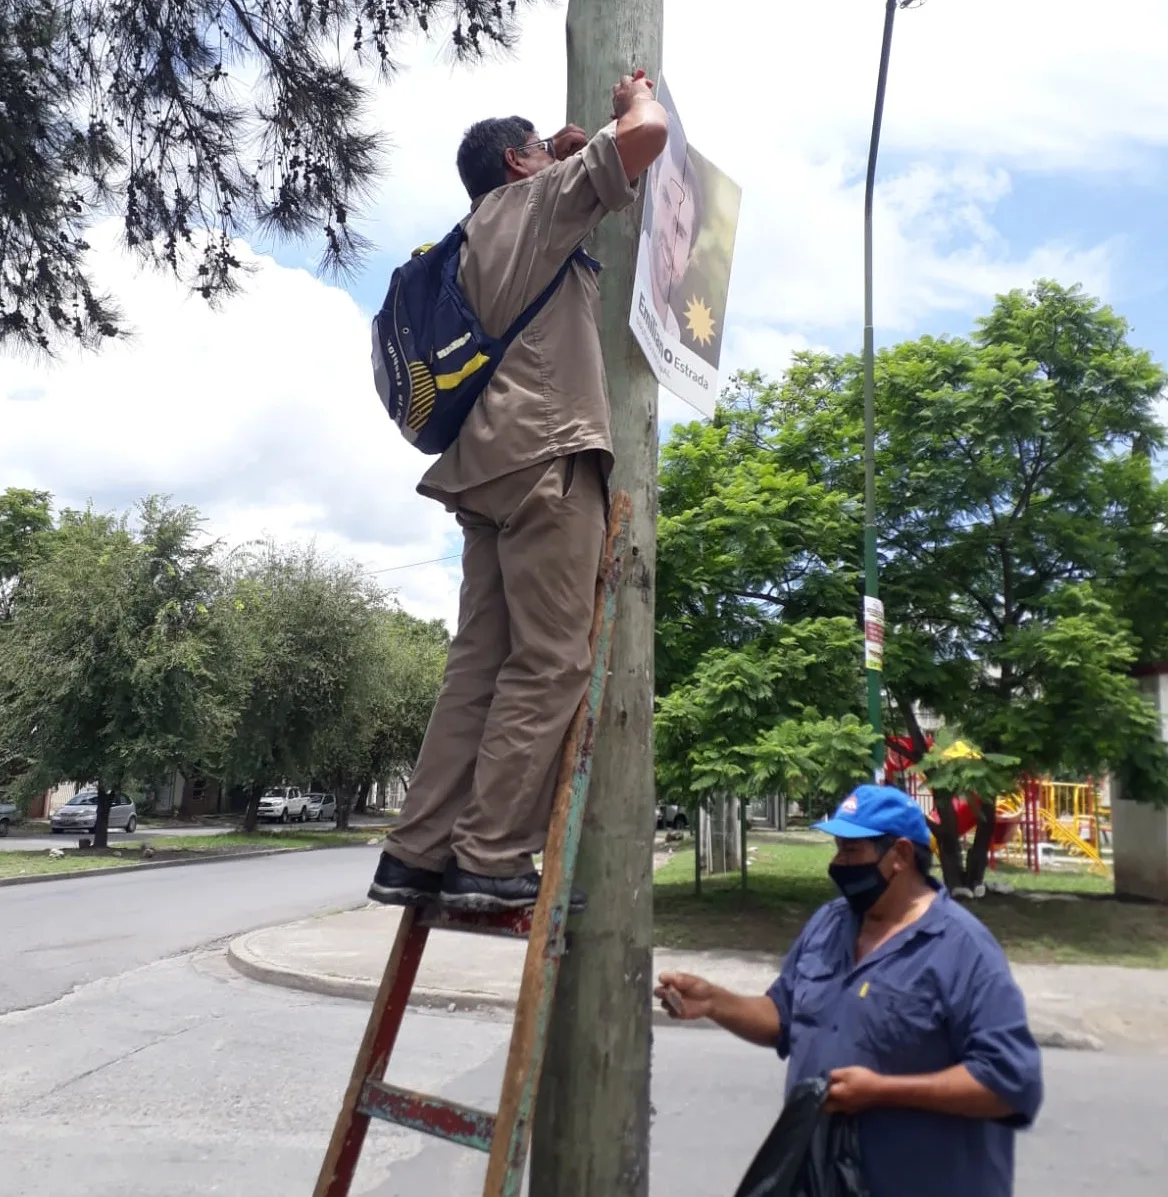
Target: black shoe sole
<point>485,903</point>
<point>488,904</point>
<point>400,895</point>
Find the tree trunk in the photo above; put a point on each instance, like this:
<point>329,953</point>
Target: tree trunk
<point>743,826</point>
<point>716,831</point>
<point>732,814</point>
<point>948,841</point>
<point>363,791</point>
<point>344,803</point>
<point>698,852</point>
<point>979,852</point>
<point>725,833</point>
<point>251,813</point>
<point>920,743</point>
<point>101,823</point>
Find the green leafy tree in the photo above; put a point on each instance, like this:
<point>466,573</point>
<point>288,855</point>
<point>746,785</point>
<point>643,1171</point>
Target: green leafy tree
<point>757,638</point>
<point>109,665</point>
<point>24,516</point>
<point>296,627</point>
<point>956,769</point>
<point>1023,536</point>
<point>391,695</point>
<point>195,122</point>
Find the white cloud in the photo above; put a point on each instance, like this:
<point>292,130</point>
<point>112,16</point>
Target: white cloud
<point>263,415</point>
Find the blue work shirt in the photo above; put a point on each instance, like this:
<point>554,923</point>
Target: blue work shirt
<point>939,993</point>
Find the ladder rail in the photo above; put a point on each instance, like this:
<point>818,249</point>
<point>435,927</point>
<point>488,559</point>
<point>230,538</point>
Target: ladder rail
<point>381,1031</point>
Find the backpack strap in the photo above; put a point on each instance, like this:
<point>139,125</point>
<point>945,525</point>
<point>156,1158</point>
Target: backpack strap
<point>533,309</point>
<point>529,313</point>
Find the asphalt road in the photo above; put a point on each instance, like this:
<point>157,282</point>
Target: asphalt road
<point>57,935</point>
<point>143,1069</point>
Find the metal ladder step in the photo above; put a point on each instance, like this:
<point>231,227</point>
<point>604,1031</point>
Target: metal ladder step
<point>431,1115</point>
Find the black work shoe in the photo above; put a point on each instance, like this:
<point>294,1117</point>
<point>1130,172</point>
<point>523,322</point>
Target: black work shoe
<point>398,884</point>
<point>486,895</point>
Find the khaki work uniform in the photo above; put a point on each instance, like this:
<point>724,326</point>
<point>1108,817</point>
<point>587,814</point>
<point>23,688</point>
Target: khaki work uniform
<point>527,480</point>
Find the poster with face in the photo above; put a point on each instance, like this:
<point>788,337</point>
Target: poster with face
<point>683,266</point>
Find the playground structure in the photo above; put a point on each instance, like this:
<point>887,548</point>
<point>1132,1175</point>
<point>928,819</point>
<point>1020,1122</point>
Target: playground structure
<point>1036,824</point>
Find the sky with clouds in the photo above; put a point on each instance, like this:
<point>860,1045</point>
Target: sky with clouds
<point>1021,139</point>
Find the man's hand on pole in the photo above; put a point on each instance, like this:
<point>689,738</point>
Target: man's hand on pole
<point>628,91</point>
<point>642,124</point>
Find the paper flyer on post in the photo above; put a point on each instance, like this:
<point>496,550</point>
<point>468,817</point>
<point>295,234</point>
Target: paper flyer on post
<point>683,266</point>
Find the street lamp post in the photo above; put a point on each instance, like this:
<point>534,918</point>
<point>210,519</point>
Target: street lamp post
<point>873,608</point>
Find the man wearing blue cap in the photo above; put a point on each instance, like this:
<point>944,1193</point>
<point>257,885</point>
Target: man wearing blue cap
<point>905,1002</point>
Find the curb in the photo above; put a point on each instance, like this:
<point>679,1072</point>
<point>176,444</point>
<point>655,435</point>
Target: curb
<point>148,865</point>
<point>360,989</point>
<point>357,989</point>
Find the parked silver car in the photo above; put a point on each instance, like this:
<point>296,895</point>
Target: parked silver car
<point>80,814</point>
<point>322,808</point>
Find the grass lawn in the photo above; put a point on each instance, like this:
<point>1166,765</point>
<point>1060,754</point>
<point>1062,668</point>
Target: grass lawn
<point>171,847</point>
<point>1078,923</point>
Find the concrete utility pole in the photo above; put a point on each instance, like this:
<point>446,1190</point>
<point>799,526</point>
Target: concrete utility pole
<point>591,1135</point>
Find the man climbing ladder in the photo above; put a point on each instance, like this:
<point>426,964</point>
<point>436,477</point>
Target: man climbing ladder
<point>527,479</point>
<point>506,1134</point>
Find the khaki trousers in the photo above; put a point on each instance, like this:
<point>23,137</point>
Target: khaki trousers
<point>518,666</point>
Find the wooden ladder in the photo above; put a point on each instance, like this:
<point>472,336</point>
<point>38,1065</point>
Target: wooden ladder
<point>504,1135</point>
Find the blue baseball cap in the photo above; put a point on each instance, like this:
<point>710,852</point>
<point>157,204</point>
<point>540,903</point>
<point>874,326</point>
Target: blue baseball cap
<point>869,812</point>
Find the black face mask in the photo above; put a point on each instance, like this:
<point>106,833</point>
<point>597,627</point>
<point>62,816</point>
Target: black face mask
<point>863,885</point>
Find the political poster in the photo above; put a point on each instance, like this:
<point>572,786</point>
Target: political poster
<point>683,266</point>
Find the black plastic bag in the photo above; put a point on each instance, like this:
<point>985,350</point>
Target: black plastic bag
<point>808,1153</point>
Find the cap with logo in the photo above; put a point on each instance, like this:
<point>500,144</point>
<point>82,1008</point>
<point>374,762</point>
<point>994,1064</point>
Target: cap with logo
<point>872,811</point>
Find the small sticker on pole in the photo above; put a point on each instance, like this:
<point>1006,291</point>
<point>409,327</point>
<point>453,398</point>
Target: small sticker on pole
<point>873,634</point>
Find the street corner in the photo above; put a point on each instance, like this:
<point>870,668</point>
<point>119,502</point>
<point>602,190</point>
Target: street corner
<point>344,954</point>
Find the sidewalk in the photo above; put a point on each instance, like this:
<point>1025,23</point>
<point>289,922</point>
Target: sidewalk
<point>1071,1006</point>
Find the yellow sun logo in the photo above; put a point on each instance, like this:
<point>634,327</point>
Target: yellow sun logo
<point>700,321</point>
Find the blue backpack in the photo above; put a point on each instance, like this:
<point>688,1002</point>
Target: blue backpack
<point>431,357</point>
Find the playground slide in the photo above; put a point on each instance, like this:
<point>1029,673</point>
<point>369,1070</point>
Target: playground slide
<point>966,816</point>
<point>1075,844</point>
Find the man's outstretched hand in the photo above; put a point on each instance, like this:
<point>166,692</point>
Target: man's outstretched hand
<point>685,997</point>
<point>628,91</point>
<point>571,139</point>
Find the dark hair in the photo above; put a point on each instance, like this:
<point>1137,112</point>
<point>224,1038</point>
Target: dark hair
<point>922,853</point>
<point>481,156</point>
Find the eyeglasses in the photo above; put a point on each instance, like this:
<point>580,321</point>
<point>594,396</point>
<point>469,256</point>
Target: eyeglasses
<point>546,144</point>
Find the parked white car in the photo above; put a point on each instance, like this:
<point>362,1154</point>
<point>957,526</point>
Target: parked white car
<point>80,814</point>
<point>284,804</point>
<point>322,808</point>
<point>671,815</point>
<point>8,815</point>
